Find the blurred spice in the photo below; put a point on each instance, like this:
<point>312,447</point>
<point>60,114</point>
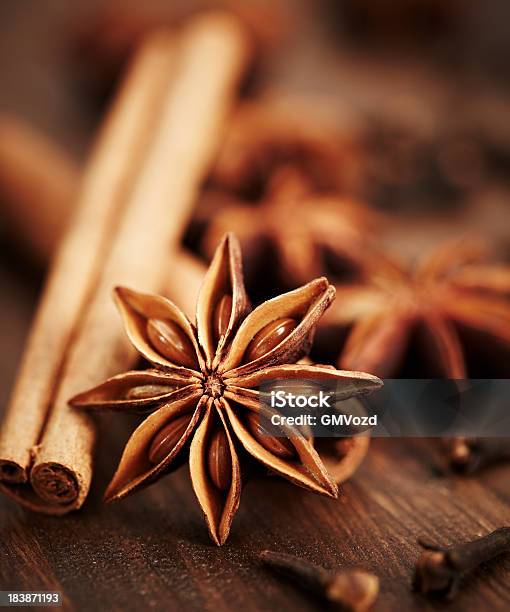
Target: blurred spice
<point>405,168</point>
<point>102,43</point>
<point>412,322</point>
<point>281,183</point>
<point>428,305</point>
<point>295,225</point>
<point>38,182</point>
<point>350,590</point>
<point>398,23</point>
<point>277,131</point>
<point>468,455</point>
<point>439,570</point>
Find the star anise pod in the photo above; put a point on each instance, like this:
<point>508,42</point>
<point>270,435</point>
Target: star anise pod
<point>297,226</point>
<point>445,301</point>
<point>267,134</point>
<point>202,394</point>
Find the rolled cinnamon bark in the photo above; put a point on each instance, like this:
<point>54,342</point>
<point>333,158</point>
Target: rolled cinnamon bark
<point>157,196</point>
<point>71,280</point>
<point>37,185</point>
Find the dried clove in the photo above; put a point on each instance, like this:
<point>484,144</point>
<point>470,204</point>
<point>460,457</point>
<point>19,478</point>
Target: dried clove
<point>467,455</point>
<point>440,570</point>
<point>354,589</point>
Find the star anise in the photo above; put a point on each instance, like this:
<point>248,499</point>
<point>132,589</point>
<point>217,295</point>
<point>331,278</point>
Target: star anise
<point>297,226</point>
<point>445,300</point>
<point>274,132</point>
<point>202,393</point>
<point>452,306</point>
<point>281,183</point>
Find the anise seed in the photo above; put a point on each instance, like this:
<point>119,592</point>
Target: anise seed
<point>171,342</point>
<point>219,461</point>
<point>221,316</point>
<point>166,438</point>
<point>268,337</point>
<point>279,446</point>
<point>147,391</point>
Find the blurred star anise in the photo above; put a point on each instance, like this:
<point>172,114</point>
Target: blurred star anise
<point>275,132</point>
<point>297,227</point>
<point>202,394</point>
<point>450,296</point>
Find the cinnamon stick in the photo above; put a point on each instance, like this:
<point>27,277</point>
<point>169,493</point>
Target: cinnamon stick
<point>156,207</point>
<point>157,211</point>
<point>37,185</point>
<point>41,182</point>
<point>71,280</point>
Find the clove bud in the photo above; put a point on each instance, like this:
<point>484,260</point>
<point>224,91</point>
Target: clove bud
<point>439,570</point>
<point>354,590</point>
<point>467,455</point>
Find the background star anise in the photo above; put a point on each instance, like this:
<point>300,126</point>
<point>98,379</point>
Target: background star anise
<point>446,303</point>
<point>273,132</point>
<point>202,394</point>
<point>297,227</point>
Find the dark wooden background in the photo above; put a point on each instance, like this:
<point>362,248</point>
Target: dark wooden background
<point>152,551</point>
